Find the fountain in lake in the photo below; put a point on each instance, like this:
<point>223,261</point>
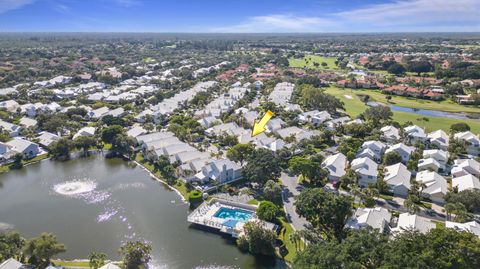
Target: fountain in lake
<point>75,187</point>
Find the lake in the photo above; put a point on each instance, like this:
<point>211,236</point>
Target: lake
<point>95,204</point>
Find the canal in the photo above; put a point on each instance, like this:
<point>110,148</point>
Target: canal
<point>95,204</point>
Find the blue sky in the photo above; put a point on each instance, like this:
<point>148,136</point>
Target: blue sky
<point>246,16</point>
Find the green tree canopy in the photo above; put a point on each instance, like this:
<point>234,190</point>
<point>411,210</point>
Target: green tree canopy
<point>326,211</point>
<point>268,211</point>
<point>262,166</point>
<point>41,249</point>
<point>135,254</point>
<point>240,152</point>
<point>257,239</point>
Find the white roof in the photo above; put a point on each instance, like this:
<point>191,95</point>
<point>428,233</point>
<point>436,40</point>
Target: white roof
<point>365,166</point>
<point>11,264</point>
<point>28,122</point>
<point>434,182</point>
<point>85,131</point>
<point>397,174</point>
<point>468,136</point>
<point>19,145</point>
<point>437,154</point>
<point>439,135</point>
<point>466,182</point>
<point>407,221</point>
<point>472,226</point>
<point>415,131</point>
<point>400,147</point>
<point>335,164</point>
<point>110,266</point>
<point>377,218</point>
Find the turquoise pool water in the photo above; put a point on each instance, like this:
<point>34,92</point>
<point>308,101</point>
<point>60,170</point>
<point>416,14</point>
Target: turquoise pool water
<point>233,214</point>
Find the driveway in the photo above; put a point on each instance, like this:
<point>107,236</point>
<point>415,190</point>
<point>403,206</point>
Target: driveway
<point>290,189</point>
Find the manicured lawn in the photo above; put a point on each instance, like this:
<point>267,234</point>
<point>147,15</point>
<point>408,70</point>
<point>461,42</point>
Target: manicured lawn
<point>285,233</point>
<point>71,263</point>
<point>301,63</point>
<point>445,105</point>
<point>6,168</point>
<point>253,202</point>
<point>355,106</point>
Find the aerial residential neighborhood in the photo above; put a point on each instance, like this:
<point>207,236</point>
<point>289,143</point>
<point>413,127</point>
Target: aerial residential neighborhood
<point>346,139</point>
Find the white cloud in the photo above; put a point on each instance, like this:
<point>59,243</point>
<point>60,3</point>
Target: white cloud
<point>278,23</point>
<point>416,12</point>
<point>7,5</point>
<point>400,15</point>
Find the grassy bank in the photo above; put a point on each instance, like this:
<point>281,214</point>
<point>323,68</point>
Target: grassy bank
<point>179,185</point>
<point>7,167</point>
<point>354,106</point>
<point>285,233</point>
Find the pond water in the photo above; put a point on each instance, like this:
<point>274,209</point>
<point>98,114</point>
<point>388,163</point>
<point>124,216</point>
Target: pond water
<point>95,204</point>
<point>434,113</point>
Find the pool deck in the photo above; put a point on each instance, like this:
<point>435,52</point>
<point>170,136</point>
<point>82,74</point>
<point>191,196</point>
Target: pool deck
<point>204,215</point>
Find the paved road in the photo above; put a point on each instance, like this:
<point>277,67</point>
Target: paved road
<point>291,188</point>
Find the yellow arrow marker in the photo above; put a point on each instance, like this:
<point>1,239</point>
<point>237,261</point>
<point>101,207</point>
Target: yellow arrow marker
<point>259,126</point>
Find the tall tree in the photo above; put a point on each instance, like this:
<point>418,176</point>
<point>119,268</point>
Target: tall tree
<point>240,152</point>
<point>11,244</point>
<point>262,166</point>
<point>135,254</point>
<point>96,259</point>
<point>257,239</point>
<point>326,211</point>
<point>43,248</point>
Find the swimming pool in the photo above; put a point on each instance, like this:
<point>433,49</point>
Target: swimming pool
<point>233,214</point>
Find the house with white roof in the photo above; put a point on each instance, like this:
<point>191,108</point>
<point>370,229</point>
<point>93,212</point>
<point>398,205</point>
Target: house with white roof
<point>98,113</point>
<point>366,170</point>
<point>136,130</point>
<point>407,221</point>
<point>377,147</point>
<point>415,134</point>
<point>397,177</point>
<point>335,165</point>
<point>26,148</point>
<point>402,149</point>
<point>12,129</point>
<point>429,164</point>
<point>230,128</point>
<point>465,182</point>
<point>11,264</point>
<point>110,265</point>
<point>473,142</point>
<point>377,218</point>
<point>390,134</point>
<point>222,171</point>
<point>314,117</point>
<point>441,156</point>
<point>10,106</point>
<point>288,132</point>
<point>274,125</point>
<point>439,138</point>
<point>45,139</point>
<point>334,123</point>
<point>208,122</point>
<point>471,227</point>
<point>28,122</point>
<point>463,167</point>
<point>436,187</point>
<point>85,131</point>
